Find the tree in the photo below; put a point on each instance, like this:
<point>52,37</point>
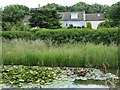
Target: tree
<point>44,19</point>
<point>79,7</point>
<point>114,14</point>
<point>14,13</point>
<point>1,19</point>
<point>94,8</point>
<point>54,6</point>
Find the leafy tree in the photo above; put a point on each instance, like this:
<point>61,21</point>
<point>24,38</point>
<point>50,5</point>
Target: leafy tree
<point>114,14</point>
<point>79,6</point>
<point>1,19</point>
<point>105,10</point>
<point>44,19</point>
<point>94,8</point>
<point>54,6</point>
<point>14,13</point>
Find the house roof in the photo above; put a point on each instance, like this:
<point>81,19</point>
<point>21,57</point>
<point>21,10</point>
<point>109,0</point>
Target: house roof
<point>66,16</point>
<point>95,17</point>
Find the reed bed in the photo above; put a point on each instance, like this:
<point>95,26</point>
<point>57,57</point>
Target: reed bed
<point>42,53</point>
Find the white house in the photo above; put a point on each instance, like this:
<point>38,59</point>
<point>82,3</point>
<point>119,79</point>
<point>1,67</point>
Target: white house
<point>80,19</point>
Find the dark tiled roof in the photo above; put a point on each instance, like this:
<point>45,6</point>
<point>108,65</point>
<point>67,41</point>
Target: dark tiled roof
<point>95,17</point>
<point>66,16</point>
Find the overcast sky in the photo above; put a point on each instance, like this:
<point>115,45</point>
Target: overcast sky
<point>34,3</point>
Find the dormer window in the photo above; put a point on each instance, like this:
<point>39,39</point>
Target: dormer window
<point>74,15</point>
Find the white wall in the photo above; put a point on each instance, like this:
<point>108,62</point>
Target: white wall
<point>74,23</point>
<point>81,23</point>
<point>95,23</point>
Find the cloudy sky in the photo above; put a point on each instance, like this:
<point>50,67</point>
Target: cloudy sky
<point>34,3</point>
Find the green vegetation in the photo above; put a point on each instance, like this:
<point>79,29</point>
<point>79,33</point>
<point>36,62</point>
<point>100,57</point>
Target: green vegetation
<point>15,27</point>
<point>48,15</point>
<point>14,13</point>
<point>19,76</point>
<point>114,15</point>
<point>105,36</point>
<point>105,24</point>
<point>13,18</point>
<point>94,8</point>
<point>45,19</point>
<point>89,25</point>
<point>46,45</point>
<point>22,52</point>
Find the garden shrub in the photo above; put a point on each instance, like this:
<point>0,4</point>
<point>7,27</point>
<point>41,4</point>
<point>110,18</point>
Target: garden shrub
<point>105,24</point>
<point>89,25</point>
<point>105,36</point>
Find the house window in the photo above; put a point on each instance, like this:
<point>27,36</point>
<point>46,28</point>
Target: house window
<point>74,15</point>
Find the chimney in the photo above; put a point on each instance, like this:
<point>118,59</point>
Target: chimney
<point>38,5</point>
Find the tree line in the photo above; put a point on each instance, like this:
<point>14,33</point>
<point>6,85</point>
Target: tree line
<point>15,16</point>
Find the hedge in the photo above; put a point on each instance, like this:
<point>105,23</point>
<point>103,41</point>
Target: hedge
<point>67,35</point>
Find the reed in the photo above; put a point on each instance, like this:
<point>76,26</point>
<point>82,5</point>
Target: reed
<point>37,52</point>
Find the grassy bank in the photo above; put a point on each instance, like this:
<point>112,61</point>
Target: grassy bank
<point>42,53</point>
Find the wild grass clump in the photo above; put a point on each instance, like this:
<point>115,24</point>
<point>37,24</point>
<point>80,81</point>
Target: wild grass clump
<point>38,52</point>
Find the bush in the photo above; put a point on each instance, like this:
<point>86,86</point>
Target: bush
<point>105,24</point>
<point>17,34</point>
<point>6,26</point>
<point>20,26</point>
<point>105,36</point>
<point>83,26</point>
<point>89,25</point>
<point>70,26</point>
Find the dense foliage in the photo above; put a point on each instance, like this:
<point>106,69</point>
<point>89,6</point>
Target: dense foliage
<point>94,8</point>
<point>115,14</point>
<point>14,13</point>
<point>54,6</point>
<point>105,24</point>
<point>105,36</point>
<point>44,19</point>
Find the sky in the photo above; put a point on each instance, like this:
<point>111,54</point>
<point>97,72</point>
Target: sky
<point>34,3</point>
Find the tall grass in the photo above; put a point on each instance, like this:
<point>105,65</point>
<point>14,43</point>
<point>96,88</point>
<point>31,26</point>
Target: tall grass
<point>22,52</point>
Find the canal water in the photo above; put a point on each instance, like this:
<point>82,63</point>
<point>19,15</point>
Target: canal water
<point>67,82</point>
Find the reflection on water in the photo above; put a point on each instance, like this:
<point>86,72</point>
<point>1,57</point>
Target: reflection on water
<point>97,83</point>
<point>84,86</point>
<point>68,82</point>
<point>87,82</point>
